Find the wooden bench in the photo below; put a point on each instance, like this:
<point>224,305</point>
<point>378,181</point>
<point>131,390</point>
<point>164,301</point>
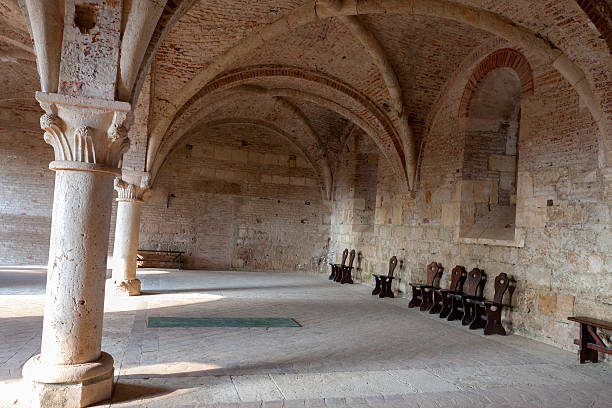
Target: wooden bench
<point>459,307</point>
<point>383,282</point>
<point>151,258</point>
<point>441,297</point>
<point>589,342</point>
<point>486,313</point>
<point>347,269</point>
<point>422,294</point>
<point>336,269</point>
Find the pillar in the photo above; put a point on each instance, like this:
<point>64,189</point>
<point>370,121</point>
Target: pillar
<point>88,140</point>
<point>129,200</point>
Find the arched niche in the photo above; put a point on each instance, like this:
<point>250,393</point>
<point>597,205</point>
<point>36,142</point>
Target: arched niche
<point>490,157</point>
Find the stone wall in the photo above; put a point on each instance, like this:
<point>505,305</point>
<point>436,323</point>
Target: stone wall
<point>238,197</point>
<point>561,256</point>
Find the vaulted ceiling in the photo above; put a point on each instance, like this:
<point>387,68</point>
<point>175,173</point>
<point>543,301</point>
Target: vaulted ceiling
<point>313,78</point>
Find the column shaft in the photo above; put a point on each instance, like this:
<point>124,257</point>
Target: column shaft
<point>126,247</point>
<point>74,307</point>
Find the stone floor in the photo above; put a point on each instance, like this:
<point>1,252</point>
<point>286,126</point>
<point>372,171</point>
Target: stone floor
<point>354,350</point>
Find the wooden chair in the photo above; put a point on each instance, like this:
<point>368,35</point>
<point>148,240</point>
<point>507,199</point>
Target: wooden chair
<point>589,342</point>
<point>475,284</point>
<point>441,299</point>
<point>383,282</point>
<point>488,313</point>
<point>422,294</point>
<point>345,276</point>
<point>336,268</point>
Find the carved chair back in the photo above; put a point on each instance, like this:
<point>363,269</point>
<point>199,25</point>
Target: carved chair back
<point>344,255</point>
<point>476,279</point>
<point>501,285</point>
<point>458,275</point>
<point>434,272</point>
<point>351,258</point>
<point>392,265</point>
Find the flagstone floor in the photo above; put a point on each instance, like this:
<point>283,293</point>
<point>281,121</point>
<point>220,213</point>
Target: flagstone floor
<point>353,349</point>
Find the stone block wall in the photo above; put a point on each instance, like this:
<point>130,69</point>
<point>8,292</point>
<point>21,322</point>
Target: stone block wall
<point>238,197</point>
<point>561,257</point>
<point>229,206</point>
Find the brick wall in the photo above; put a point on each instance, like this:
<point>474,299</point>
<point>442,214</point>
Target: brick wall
<point>26,188</point>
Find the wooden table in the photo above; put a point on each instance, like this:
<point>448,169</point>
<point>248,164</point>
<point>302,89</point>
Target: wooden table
<point>589,342</point>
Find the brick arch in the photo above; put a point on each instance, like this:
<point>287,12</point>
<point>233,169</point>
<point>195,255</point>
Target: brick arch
<point>172,12</point>
<point>504,58</point>
<point>309,144</point>
<point>478,17</point>
<point>600,14</point>
<point>271,127</point>
<point>365,110</point>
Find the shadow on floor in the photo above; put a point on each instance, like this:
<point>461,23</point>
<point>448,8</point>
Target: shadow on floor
<point>229,288</point>
<point>129,392</point>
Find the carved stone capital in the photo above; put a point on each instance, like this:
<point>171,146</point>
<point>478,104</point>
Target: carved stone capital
<point>85,130</point>
<point>127,191</point>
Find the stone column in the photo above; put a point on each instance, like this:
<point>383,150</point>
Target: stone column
<point>89,140</point>
<point>126,239</point>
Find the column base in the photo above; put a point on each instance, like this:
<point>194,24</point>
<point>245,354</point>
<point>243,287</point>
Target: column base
<point>126,288</point>
<point>67,386</point>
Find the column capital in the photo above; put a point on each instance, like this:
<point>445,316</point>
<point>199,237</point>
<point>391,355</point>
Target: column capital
<point>127,191</point>
<point>85,130</point>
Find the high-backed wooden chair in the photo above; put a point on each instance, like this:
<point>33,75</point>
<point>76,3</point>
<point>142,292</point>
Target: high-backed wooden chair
<point>422,294</point>
<point>347,269</point>
<point>441,299</point>
<point>488,313</point>
<point>475,284</point>
<point>383,282</point>
<point>335,268</point>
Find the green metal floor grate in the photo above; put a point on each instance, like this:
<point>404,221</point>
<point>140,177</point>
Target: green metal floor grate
<point>222,322</point>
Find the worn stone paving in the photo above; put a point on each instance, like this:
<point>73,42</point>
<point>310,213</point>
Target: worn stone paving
<point>354,350</point>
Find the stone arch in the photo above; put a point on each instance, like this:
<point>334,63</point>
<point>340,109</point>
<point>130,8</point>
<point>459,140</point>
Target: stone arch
<point>382,61</point>
<point>171,13</point>
<point>506,57</point>
<point>455,86</point>
<point>261,124</point>
<point>313,152</point>
<point>490,148</point>
<point>364,112</point>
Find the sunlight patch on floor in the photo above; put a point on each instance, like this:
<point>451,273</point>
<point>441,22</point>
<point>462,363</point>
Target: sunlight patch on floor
<point>177,367</point>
